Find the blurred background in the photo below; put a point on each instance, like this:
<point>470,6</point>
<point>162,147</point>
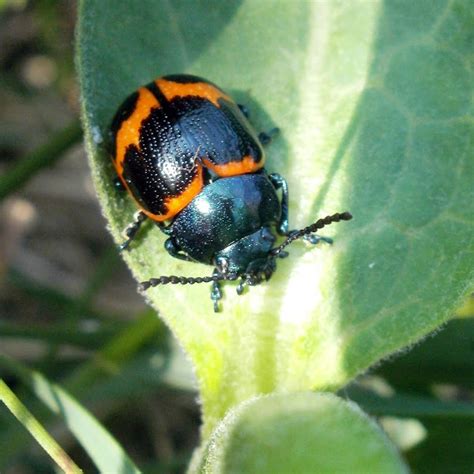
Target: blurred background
<point>65,293</point>
<point>69,307</point>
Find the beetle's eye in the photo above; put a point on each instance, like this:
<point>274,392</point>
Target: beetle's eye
<point>222,264</point>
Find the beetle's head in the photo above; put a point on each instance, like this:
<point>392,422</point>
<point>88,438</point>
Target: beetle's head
<point>253,258</point>
<point>248,255</point>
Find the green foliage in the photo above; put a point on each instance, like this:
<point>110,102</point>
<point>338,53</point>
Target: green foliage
<point>24,416</point>
<point>103,449</point>
<point>304,432</point>
<point>373,102</point>
<point>434,385</point>
<point>41,158</point>
<point>446,359</point>
<point>99,379</point>
<point>446,449</point>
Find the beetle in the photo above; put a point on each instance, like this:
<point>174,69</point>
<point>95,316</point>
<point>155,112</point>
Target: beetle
<point>189,157</point>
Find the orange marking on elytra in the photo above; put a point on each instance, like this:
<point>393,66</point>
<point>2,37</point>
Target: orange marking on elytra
<point>234,168</point>
<point>176,204</point>
<point>207,91</point>
<point>129,131</point>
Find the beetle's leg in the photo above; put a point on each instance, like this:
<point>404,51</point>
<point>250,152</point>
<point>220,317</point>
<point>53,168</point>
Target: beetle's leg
<point>175,251</point>
<point>280,183</point>
<point>266,137</point>
<point>132,229</point>
<point>244,110</point>
<point>240,286</point>
<point>269,269</point>
<point>315,239</point>
<point>166,229</point>
<point>216,293</point>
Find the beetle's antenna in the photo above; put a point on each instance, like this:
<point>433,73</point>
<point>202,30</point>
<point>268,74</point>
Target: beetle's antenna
<point>181,280</point>
<point>318,225</point>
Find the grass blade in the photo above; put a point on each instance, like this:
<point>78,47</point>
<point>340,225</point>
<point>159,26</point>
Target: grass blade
<point>104,450</point>
<point>37,430</point>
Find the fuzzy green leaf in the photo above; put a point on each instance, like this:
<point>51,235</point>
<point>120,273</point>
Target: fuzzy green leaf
<point>307,432</point>
<point>374,103</point>
<point>446,358</point>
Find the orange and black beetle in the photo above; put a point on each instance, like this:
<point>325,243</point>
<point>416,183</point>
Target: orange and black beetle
<point>192,161</point>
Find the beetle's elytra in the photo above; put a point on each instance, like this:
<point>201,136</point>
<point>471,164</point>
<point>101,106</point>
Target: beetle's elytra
<point>191,160</point>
